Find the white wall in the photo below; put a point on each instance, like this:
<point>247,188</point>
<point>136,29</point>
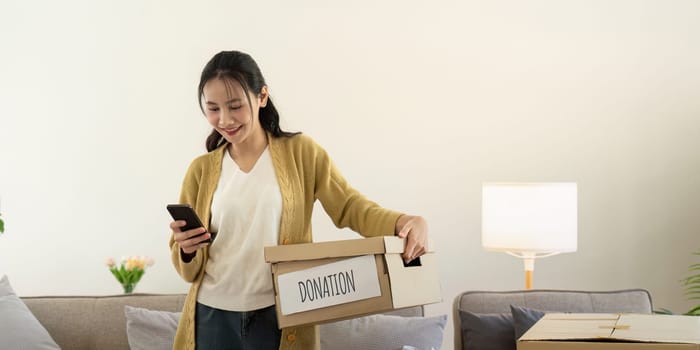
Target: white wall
<point>418,103</point>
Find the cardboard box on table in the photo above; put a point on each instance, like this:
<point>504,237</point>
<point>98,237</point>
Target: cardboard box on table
<point>612,332</point>
<point>330,281</point>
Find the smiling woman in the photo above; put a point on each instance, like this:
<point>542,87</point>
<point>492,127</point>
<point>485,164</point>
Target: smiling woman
<point>256,187</point>
<point>234,98</point>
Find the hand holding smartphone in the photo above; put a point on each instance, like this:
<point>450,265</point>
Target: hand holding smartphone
<point>186,213</point>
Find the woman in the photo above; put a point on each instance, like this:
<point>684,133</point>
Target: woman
<point>256,187</point>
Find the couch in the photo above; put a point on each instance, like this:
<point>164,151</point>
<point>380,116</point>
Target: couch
<point>98,322</point>
<point>499,303</point>
<point>94,322</point>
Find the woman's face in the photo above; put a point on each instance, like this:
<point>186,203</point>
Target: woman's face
<point>228,111</point>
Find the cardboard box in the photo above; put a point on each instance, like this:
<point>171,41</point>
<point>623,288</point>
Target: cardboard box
<point>330,281</point>
<point>612,332</point>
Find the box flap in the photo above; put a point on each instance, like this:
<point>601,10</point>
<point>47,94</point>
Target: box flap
<point>336,249</point>
<point>556,326</point>
<point>670,329</point>
<point>414,285</point>
<point>658,328</point>
<point>393,244</point>
<point>396,245</point>
<point>323,250</point>
<point>581,316</point>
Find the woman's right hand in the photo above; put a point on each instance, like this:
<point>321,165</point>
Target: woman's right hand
<point>189,244</point>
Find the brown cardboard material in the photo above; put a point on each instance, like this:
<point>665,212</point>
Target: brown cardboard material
<point>612,332</point>
<point>399,286</point>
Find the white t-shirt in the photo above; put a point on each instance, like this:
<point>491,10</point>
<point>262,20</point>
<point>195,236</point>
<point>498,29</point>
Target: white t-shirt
<point>245,212</point>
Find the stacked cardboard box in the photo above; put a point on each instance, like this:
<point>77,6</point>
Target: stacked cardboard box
<point>612,332</point>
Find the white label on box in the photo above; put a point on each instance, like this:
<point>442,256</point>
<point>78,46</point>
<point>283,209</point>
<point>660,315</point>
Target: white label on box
<point>331,284</point>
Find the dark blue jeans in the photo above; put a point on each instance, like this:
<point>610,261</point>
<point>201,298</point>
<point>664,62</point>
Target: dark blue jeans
<point>230,330</point>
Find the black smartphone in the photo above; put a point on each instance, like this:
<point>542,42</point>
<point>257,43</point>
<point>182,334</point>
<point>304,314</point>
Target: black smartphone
<point>185,212</point>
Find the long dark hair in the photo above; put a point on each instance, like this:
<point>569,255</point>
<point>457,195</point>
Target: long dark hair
<point>239,66</point>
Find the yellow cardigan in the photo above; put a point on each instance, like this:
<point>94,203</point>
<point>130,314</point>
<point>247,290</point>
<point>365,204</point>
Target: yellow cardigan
<point>304,173</point>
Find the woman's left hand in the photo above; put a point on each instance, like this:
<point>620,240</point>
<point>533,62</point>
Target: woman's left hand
<point>415,230</point>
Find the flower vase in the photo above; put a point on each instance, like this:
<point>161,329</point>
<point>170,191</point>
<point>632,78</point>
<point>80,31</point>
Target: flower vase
<point>129,287</point>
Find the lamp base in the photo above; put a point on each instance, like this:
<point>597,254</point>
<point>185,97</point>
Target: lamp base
<point>528,279</point>
<point>529,261</point>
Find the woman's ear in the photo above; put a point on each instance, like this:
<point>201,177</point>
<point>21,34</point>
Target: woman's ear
<point>263,96</point>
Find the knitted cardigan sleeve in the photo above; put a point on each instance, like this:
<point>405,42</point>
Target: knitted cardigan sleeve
<point>188,195</point>
<point>346,206</point>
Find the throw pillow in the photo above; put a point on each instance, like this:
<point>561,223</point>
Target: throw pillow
<point>150,329</point>
<point>523,319</point>
<point>19,329</point>
<point>384,332</point>
<point>487,331</point>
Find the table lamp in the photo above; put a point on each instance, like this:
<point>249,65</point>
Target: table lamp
<point>529,220</point>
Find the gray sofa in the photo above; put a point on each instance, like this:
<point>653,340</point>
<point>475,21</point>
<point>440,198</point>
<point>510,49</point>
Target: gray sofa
<point>94,322</point>
<point>98,322</point>
<point>492,302</point>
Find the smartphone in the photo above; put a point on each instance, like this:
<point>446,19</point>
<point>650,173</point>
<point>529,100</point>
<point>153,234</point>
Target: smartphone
<point>185,212</point>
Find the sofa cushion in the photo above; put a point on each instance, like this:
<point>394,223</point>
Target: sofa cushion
<point>487,331</point>
<point>383,332</point>
<point>19,329</point>
<point>150,329</point>
<point>524,318</point>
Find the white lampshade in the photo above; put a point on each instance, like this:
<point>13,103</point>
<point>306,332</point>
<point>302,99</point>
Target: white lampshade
<point>529,217</point>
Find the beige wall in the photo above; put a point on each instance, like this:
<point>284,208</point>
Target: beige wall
<point>418,104</point>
